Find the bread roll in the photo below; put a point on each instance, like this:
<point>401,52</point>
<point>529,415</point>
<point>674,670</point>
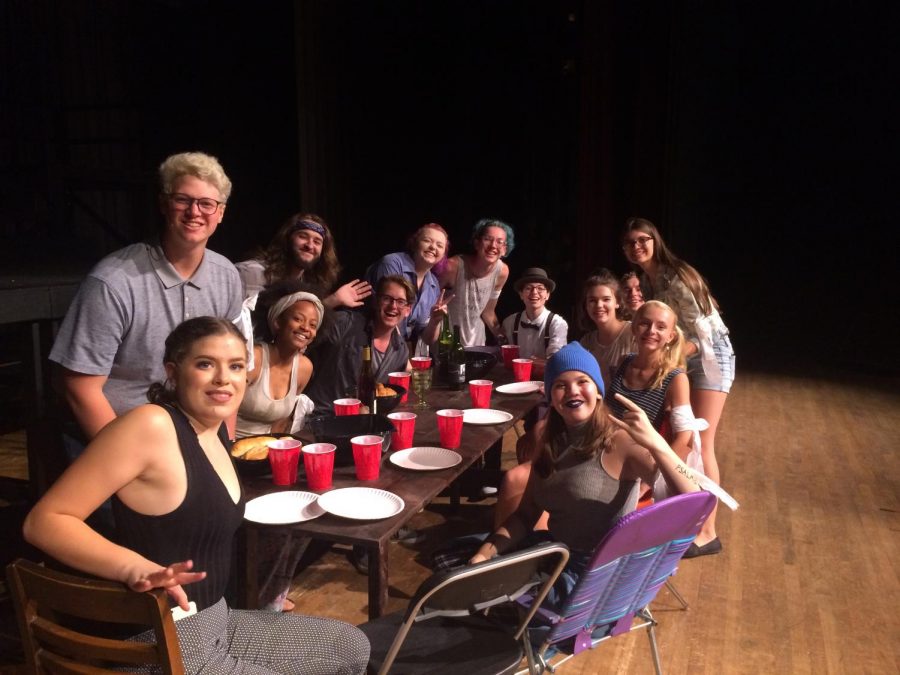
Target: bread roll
<point>252,448</point>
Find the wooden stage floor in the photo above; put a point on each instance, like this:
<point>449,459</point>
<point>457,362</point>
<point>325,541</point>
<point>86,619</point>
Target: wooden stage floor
<point>808,581</point>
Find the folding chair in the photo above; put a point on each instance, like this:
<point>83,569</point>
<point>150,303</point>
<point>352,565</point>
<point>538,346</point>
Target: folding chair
<point>47,601</point>
<point>625,572</point>
<point>446,627</point>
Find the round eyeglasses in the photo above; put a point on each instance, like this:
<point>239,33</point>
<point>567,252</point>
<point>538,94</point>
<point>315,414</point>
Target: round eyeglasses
<point>639,241</point>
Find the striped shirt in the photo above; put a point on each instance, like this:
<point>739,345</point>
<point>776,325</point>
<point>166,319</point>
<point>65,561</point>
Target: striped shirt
<point>651,401</point>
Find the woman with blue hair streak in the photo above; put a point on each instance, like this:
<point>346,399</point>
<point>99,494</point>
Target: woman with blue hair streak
<point>476,280</point>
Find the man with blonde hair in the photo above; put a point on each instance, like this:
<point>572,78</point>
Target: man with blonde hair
<point>110,346</point>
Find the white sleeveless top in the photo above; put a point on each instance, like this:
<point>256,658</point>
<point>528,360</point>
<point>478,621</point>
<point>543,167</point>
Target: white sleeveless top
<point>470,297</point>
<point>259,411</point>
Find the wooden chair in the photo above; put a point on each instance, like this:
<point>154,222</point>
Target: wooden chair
<point>45,598</point>
<point>446,629</point>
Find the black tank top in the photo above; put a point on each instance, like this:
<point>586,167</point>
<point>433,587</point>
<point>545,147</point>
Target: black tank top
<point>201,528</point>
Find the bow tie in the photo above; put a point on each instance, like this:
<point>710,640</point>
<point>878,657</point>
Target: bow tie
<point>532,326</point>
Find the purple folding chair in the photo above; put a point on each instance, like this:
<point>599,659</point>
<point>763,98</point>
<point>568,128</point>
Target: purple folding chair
<point>628,567</point>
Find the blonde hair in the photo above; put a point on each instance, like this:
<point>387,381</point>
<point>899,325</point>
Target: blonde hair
<point>672,355</point>
<point>196,164</point>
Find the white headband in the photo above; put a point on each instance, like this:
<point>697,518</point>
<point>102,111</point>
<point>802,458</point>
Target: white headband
<point>283,303</point>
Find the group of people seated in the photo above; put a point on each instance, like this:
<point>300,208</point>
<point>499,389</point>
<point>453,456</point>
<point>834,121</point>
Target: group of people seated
<point>224,351</point>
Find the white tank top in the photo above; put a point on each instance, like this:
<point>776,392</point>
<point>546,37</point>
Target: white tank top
<point>259,411</point>
<point>470,297</point>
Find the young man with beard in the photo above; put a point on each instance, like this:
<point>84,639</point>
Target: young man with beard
<point>303,248</point>
<point>337,351</point>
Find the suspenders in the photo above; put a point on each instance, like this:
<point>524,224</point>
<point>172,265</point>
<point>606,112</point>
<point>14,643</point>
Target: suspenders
<point>545,331</point>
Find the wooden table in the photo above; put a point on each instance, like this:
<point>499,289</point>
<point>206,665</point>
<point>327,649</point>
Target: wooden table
<point>416,488</point>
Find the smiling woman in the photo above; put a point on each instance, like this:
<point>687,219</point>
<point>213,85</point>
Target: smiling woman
<point>274,402</point>
<point>178,502</point>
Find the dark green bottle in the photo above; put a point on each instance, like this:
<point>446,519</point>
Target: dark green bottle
<point>456,369</point>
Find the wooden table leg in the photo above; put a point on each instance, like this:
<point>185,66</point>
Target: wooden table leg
<point>378,579</point>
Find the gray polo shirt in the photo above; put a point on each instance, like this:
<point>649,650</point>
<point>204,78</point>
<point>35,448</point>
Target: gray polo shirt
<point>126,307</point>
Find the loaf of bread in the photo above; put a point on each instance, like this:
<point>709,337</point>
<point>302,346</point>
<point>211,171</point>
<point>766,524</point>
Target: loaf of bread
<point>251,448</point>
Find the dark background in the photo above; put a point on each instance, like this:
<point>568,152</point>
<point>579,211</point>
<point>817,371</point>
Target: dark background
<point>759,137</point>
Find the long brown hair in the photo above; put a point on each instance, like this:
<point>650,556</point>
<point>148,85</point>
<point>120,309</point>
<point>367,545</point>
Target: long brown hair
<point>596,439</point>
<point>663,255</point>
<point>279,254</point>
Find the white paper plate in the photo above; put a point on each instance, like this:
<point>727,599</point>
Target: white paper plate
<point>361,503</point>
<point>520,387</point>
<point>425,459</point>
<point>485,416</point>
<point>280,508</point>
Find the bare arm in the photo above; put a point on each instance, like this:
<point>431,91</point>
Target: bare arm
<point>56,523</point>
<point>678,394</point>
<point>649,451</point>
<point>84,394</point>
<point>520,523</point>
<point>489,315</point>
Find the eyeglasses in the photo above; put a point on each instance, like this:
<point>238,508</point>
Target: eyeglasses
<point>206,205</point>
<point>532,288</point>
<point>388,300</point>
<point>640,241</point>
<point>494,240</point>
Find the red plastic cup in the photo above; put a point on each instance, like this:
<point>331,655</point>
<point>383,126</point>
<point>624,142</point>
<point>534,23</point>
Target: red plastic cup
<point>420,362</point>
<point>480,391</point>
<point>346,406</point>
<point>450,424</point>
<point>284,456</point>
<point>509,352</point>
<point>366,456</point>
<point>404,427</point>
<point>522,369</point>
<point>401,379</point>
<point>318,460</point>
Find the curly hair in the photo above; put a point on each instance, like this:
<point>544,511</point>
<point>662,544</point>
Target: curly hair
<point>485,223</point>
<point>278,256</point>
<point>196,164</point>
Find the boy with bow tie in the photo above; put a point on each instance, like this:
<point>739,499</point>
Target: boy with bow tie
<point>539,332</point>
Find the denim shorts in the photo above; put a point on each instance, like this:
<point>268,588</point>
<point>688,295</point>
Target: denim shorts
<point>725,356</point>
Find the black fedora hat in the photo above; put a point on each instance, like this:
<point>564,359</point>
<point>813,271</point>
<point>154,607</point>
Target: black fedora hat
<point>534,274</point>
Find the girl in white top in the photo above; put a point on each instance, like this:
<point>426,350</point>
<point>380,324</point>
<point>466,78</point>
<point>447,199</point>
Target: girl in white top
<point>611,338</point>
<point>477,279</point>
<point>281,371</point>
<point>711,359</point>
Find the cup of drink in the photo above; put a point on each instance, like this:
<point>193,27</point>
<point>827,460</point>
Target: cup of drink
<point>421,384</point>
<point>346,406</point>
<point>480,391</point>
<point>450,424</point>
<point>401,379</point>
<point>404,427</point>
<point>284,456</point>
<point>509,352</point>
<point>366,456</point>
<point>420,362</point>
<point>522,369</point>
<point>318,461</point>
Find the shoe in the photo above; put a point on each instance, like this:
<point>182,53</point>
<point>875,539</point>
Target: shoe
<point>359,558</point>
<point>709,548</point>
<point>408,535</point>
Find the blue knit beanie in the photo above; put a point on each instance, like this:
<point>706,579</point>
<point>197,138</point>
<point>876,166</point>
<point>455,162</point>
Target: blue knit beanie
<point>572,357</point>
